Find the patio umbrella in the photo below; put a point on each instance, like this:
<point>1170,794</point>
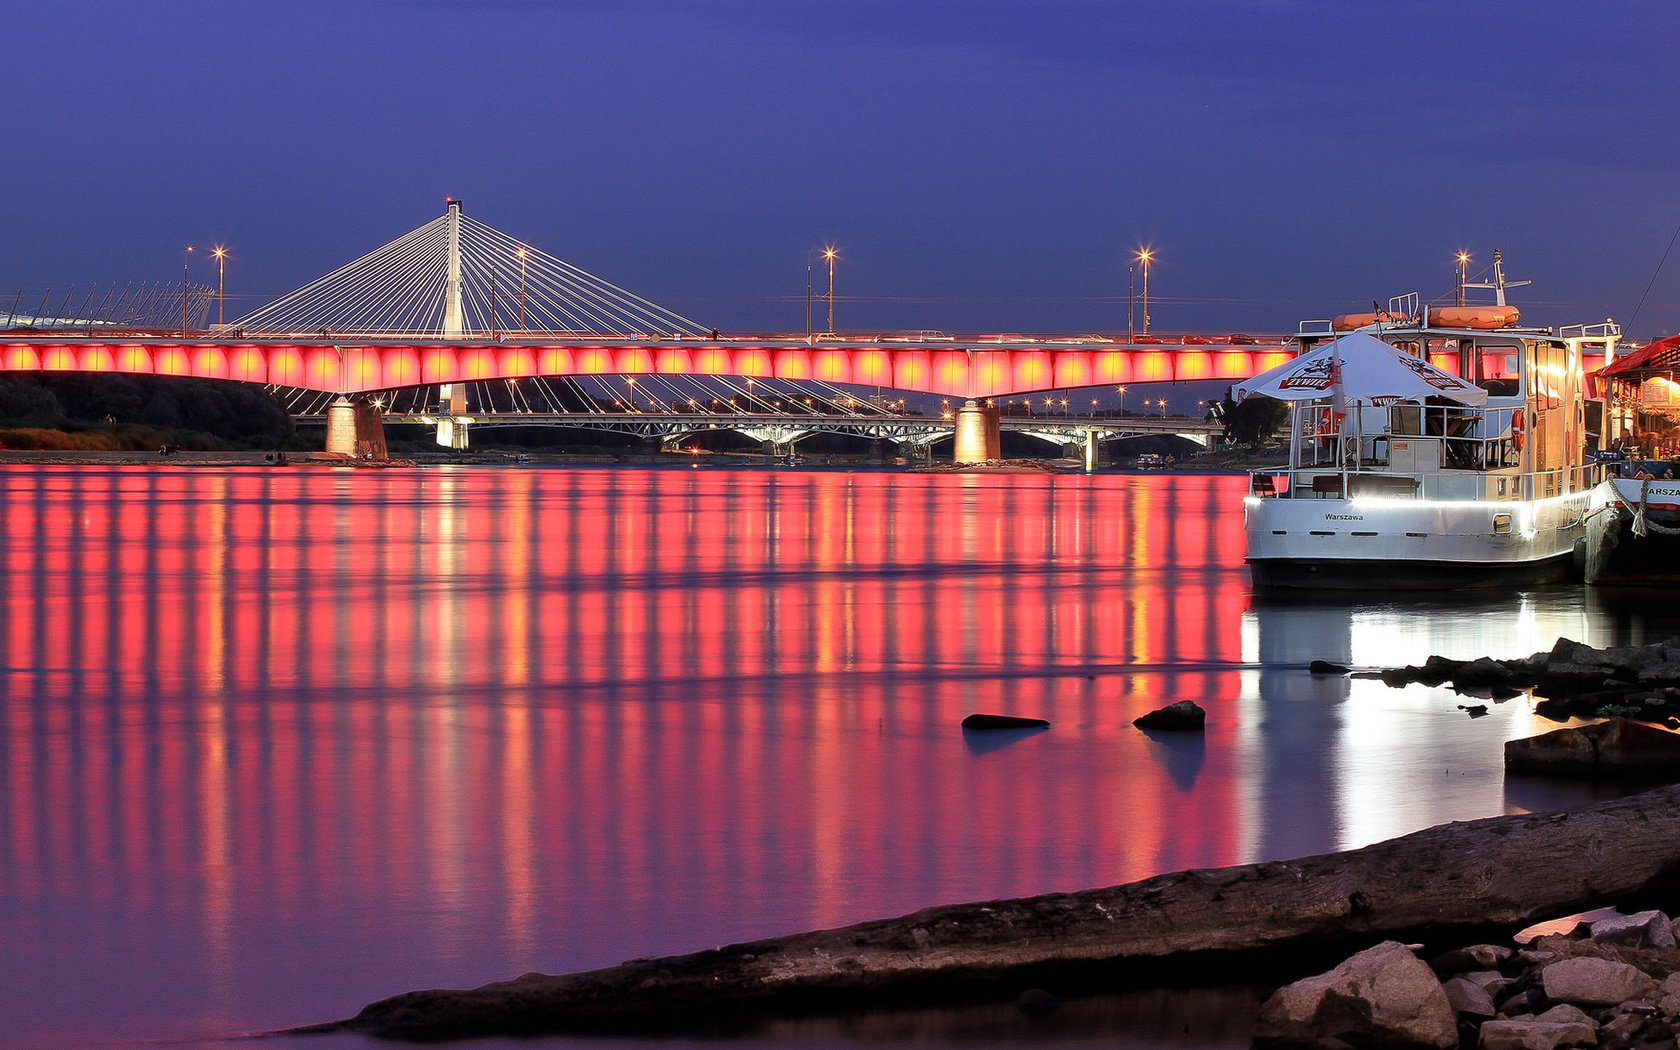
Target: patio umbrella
<point>1372,372</point>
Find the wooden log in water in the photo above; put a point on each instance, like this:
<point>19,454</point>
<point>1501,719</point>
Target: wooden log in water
<point>1445,886</point>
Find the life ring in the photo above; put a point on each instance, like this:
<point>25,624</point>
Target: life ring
<point>1519,425</point>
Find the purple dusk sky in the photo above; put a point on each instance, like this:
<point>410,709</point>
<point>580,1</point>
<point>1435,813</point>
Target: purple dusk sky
<point>982,165</point>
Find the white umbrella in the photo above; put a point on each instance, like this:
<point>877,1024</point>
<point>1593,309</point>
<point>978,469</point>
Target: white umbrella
<point>1372,372</point>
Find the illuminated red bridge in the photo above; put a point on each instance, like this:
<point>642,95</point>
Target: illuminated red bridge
<point>356,366</point>
<point>455,303</point>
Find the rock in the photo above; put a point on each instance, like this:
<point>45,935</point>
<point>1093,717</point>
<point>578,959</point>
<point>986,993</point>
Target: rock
<point>1325,667</point>
<point>1647,929</point>
<point>1623,1026</point>
<point>1037,1001</point>
<point>979,721</point>
<point>1482,672</point>
<point>1438,669</point>
<point>1614,748</point>
<point>1595,982</point>
<point>1527,1033</point>
<point>1185,715</point>
<point>1473,710</point>
<point>1490,981</point>
<point>1522,1001</point>
<point>1468,998</point>
<point>1384,996</point>
<point>1398,676</point>
<point>1563,1013</point>
<point>1475,957</point>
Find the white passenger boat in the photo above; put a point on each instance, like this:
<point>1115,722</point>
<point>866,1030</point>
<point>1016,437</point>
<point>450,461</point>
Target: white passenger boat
<point>1466,466</point>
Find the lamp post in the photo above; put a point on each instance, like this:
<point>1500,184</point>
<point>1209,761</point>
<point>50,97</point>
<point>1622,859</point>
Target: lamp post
<point>829,253</point>
<point>1463,274</point>
<point>1163,401</point>
<point>1144,255</point>
<point>1131,305</point>
<point>184,257</point>
<point>1122,392</point>
<point>220,254</point>
<point>809,331</point>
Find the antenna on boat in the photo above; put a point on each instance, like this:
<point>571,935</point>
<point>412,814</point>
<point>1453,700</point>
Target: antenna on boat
<point>1499,283</point>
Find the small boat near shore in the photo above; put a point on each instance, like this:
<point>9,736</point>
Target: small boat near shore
<point>1428,450</point>
<point>1633,531</point>
<point>1633,523</point>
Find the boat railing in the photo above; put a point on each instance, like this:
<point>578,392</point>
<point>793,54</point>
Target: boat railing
<point>1407,305</point>
<point>1316,329</point>
<point>1330,482</point>
<point>1602,330</point>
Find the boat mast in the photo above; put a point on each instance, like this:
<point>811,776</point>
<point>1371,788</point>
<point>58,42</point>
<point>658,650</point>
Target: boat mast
<point>1499,283</point>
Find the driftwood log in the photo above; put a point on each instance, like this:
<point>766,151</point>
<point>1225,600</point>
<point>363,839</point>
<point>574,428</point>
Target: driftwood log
<point>1444,886</point>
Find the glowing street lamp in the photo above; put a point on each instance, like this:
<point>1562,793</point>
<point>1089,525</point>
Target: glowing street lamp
<point>219,253</point>
<point>1163,404</point>
<point>1144,255</point>
<point>184,257</point>
<point>1122,392</point>
<point>1463,274</point>
<point>829,255</point>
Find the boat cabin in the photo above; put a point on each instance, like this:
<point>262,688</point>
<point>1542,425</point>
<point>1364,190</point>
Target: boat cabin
<point>1526,440</point>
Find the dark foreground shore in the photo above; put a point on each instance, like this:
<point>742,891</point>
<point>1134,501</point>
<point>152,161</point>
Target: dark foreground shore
<point>1444,887</point>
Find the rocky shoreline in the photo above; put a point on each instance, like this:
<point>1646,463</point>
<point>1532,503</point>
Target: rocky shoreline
<point>1613,982</point>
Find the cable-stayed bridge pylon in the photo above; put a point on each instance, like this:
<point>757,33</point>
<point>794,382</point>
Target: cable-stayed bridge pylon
<point>457,278</point>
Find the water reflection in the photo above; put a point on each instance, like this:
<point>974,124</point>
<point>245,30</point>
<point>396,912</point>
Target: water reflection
<point>275,743</point>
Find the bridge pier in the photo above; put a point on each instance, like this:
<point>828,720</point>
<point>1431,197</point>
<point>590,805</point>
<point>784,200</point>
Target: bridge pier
<point>979,433</point>
<point>452,432</point>
<point>356,429</point>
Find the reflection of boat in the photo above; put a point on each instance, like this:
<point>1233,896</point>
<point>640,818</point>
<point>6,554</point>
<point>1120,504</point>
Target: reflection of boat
<point>1424,456</point>
<point>1633,531</point>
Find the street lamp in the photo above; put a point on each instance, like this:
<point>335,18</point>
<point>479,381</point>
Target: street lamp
<point>1463,274</point>
<point>1093,408</point>
<point>1144,255</point>
<point>1163,404</point>
<point>220,254</point>
<point>184,257</point>
<point>1122,392</point>
<point>829,253</point>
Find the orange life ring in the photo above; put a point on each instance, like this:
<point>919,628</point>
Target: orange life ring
<point>1519,425</point>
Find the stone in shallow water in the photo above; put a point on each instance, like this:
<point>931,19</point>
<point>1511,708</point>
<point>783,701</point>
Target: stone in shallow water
<point>983,721</point>
<point>1186,715</point>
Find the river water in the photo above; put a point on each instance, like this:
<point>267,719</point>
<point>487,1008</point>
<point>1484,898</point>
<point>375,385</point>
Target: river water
<point>278,742</point>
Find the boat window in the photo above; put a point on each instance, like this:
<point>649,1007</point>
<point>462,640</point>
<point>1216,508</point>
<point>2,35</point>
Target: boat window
<point>1549,374</point>
<point>1496,369</point>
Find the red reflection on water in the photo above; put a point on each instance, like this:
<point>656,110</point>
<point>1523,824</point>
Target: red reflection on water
<point>450,725</point>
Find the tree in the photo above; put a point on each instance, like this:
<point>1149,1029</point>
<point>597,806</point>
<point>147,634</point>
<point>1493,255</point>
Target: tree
<point>1253,421</point>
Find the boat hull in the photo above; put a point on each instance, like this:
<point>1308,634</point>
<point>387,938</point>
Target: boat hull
<point>1412,545</point>
<point>1616,556</point>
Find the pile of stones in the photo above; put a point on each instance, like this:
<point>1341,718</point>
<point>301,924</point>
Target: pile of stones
<point>1576,680</point>
<point>1611,983</point>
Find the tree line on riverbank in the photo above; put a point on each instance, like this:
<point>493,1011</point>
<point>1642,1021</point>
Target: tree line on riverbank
<point>134,413</point>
